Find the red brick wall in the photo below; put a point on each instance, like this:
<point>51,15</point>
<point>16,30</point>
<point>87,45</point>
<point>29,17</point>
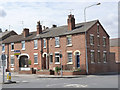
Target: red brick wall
<point>116,50</point>
<point>97,67</point>
<point>78,43</point>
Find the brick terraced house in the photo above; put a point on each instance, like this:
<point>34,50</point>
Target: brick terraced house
<point>3,36</point>
<point>40,50</point>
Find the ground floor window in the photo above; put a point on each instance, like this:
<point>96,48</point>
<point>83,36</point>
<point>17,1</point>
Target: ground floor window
<point>92,56</point>
<point>51,58</point>
<point>35,58</point>
<point>98,56</point>
<point>104,57</point>
<point>12,59</point>
<point>69,57</point>
<point>57,58</point>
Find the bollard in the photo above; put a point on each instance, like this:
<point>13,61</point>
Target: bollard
<point>9,76</point>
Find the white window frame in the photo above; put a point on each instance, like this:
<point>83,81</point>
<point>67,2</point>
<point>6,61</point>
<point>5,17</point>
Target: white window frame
<point>98,40</point>
<point>104,44</point>
<point>92,62</point>
<point>22,45</point>
<point>3,45</point>
<point>104,52</point>
<point>69,57</point>
<point>57,41</point>
<point>99,61</point>
<point>98,28</point>
<point>69,37</point>
<point>34,58</point>
<point>58,57</point>
<point>10,60</point>
<point>91,36</point>
<point>35,44</point>
<point>11,46</point>
<point>44,43</point>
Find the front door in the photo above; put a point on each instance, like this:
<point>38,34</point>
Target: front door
<point>77,60</point>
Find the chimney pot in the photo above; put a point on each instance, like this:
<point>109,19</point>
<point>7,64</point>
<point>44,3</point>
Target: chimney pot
<point>54,26</point>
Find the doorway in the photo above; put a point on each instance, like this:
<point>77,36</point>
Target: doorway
<point>77,60</point>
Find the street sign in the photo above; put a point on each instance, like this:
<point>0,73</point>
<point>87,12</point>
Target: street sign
<point>3,57</point>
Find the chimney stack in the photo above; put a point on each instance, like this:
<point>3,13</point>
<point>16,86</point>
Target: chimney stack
<point>71,22</point>
<point>26,32</point>
<point>39,28</point>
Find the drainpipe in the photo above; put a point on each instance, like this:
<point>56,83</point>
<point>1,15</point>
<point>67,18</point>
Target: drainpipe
<point>8,57</point>
<point>47,53</point>
<point>41,53</point>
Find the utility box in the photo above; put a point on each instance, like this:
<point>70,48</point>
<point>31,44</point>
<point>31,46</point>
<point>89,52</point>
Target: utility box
<point>8,76</point>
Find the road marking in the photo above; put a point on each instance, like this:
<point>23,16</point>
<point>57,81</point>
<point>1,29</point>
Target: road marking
<point>76,85</point>
<point>24,81</point>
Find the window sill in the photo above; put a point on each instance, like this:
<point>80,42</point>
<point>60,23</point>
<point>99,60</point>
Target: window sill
<point>69,45</point>
<point>70,63</point>
<point>35,48</point>
<point>44,47</point>
<point>104,62</point>
<point>57,63</point>
<point>3,51</point>
<point>92,62</point>
<point>23,49</point>
<point>57,46</point>
<point>12,65</point>
<point>92,44</point>
<point>35,63</point>
<point>12,50</point>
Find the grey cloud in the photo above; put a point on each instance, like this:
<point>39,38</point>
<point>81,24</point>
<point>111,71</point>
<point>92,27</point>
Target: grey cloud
<point>2,13</point>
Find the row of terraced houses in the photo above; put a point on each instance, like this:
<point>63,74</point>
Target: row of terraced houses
<point>85,49</point>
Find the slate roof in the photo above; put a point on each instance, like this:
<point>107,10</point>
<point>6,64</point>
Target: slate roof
<point>115,42</point>
<point>53,32</point>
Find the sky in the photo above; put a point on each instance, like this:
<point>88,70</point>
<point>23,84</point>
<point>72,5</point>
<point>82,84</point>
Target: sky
<point>16,15</point>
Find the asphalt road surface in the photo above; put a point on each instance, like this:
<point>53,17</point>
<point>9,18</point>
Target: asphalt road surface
<point>90,81</point>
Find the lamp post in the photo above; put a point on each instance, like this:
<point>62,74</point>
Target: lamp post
<point>86,32</point>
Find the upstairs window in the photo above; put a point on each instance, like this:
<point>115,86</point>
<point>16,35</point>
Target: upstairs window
<point>98,28</point>
<point>12,46</point>
<point>3,47</point>
<point>104,41</point>
<point>23,45</point>
<point>44,41</point>
<point>35,44</point>
<point>92,56</point>
<point>57,43</point>
<point>91,39</point>
<point>69,40</point>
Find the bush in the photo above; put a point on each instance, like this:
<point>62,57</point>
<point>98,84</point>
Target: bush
<point>29,62</point>
<point>79,69</point>
<point>57,69</point>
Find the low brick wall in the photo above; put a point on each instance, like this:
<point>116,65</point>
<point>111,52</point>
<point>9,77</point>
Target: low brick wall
<point>72,73</point>
<point>25,72</point>
<point>46,72</point>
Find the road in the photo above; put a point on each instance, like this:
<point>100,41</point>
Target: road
<point>90,81</point>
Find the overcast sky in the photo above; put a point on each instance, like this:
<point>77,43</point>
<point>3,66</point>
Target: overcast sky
<point>13,13</point>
